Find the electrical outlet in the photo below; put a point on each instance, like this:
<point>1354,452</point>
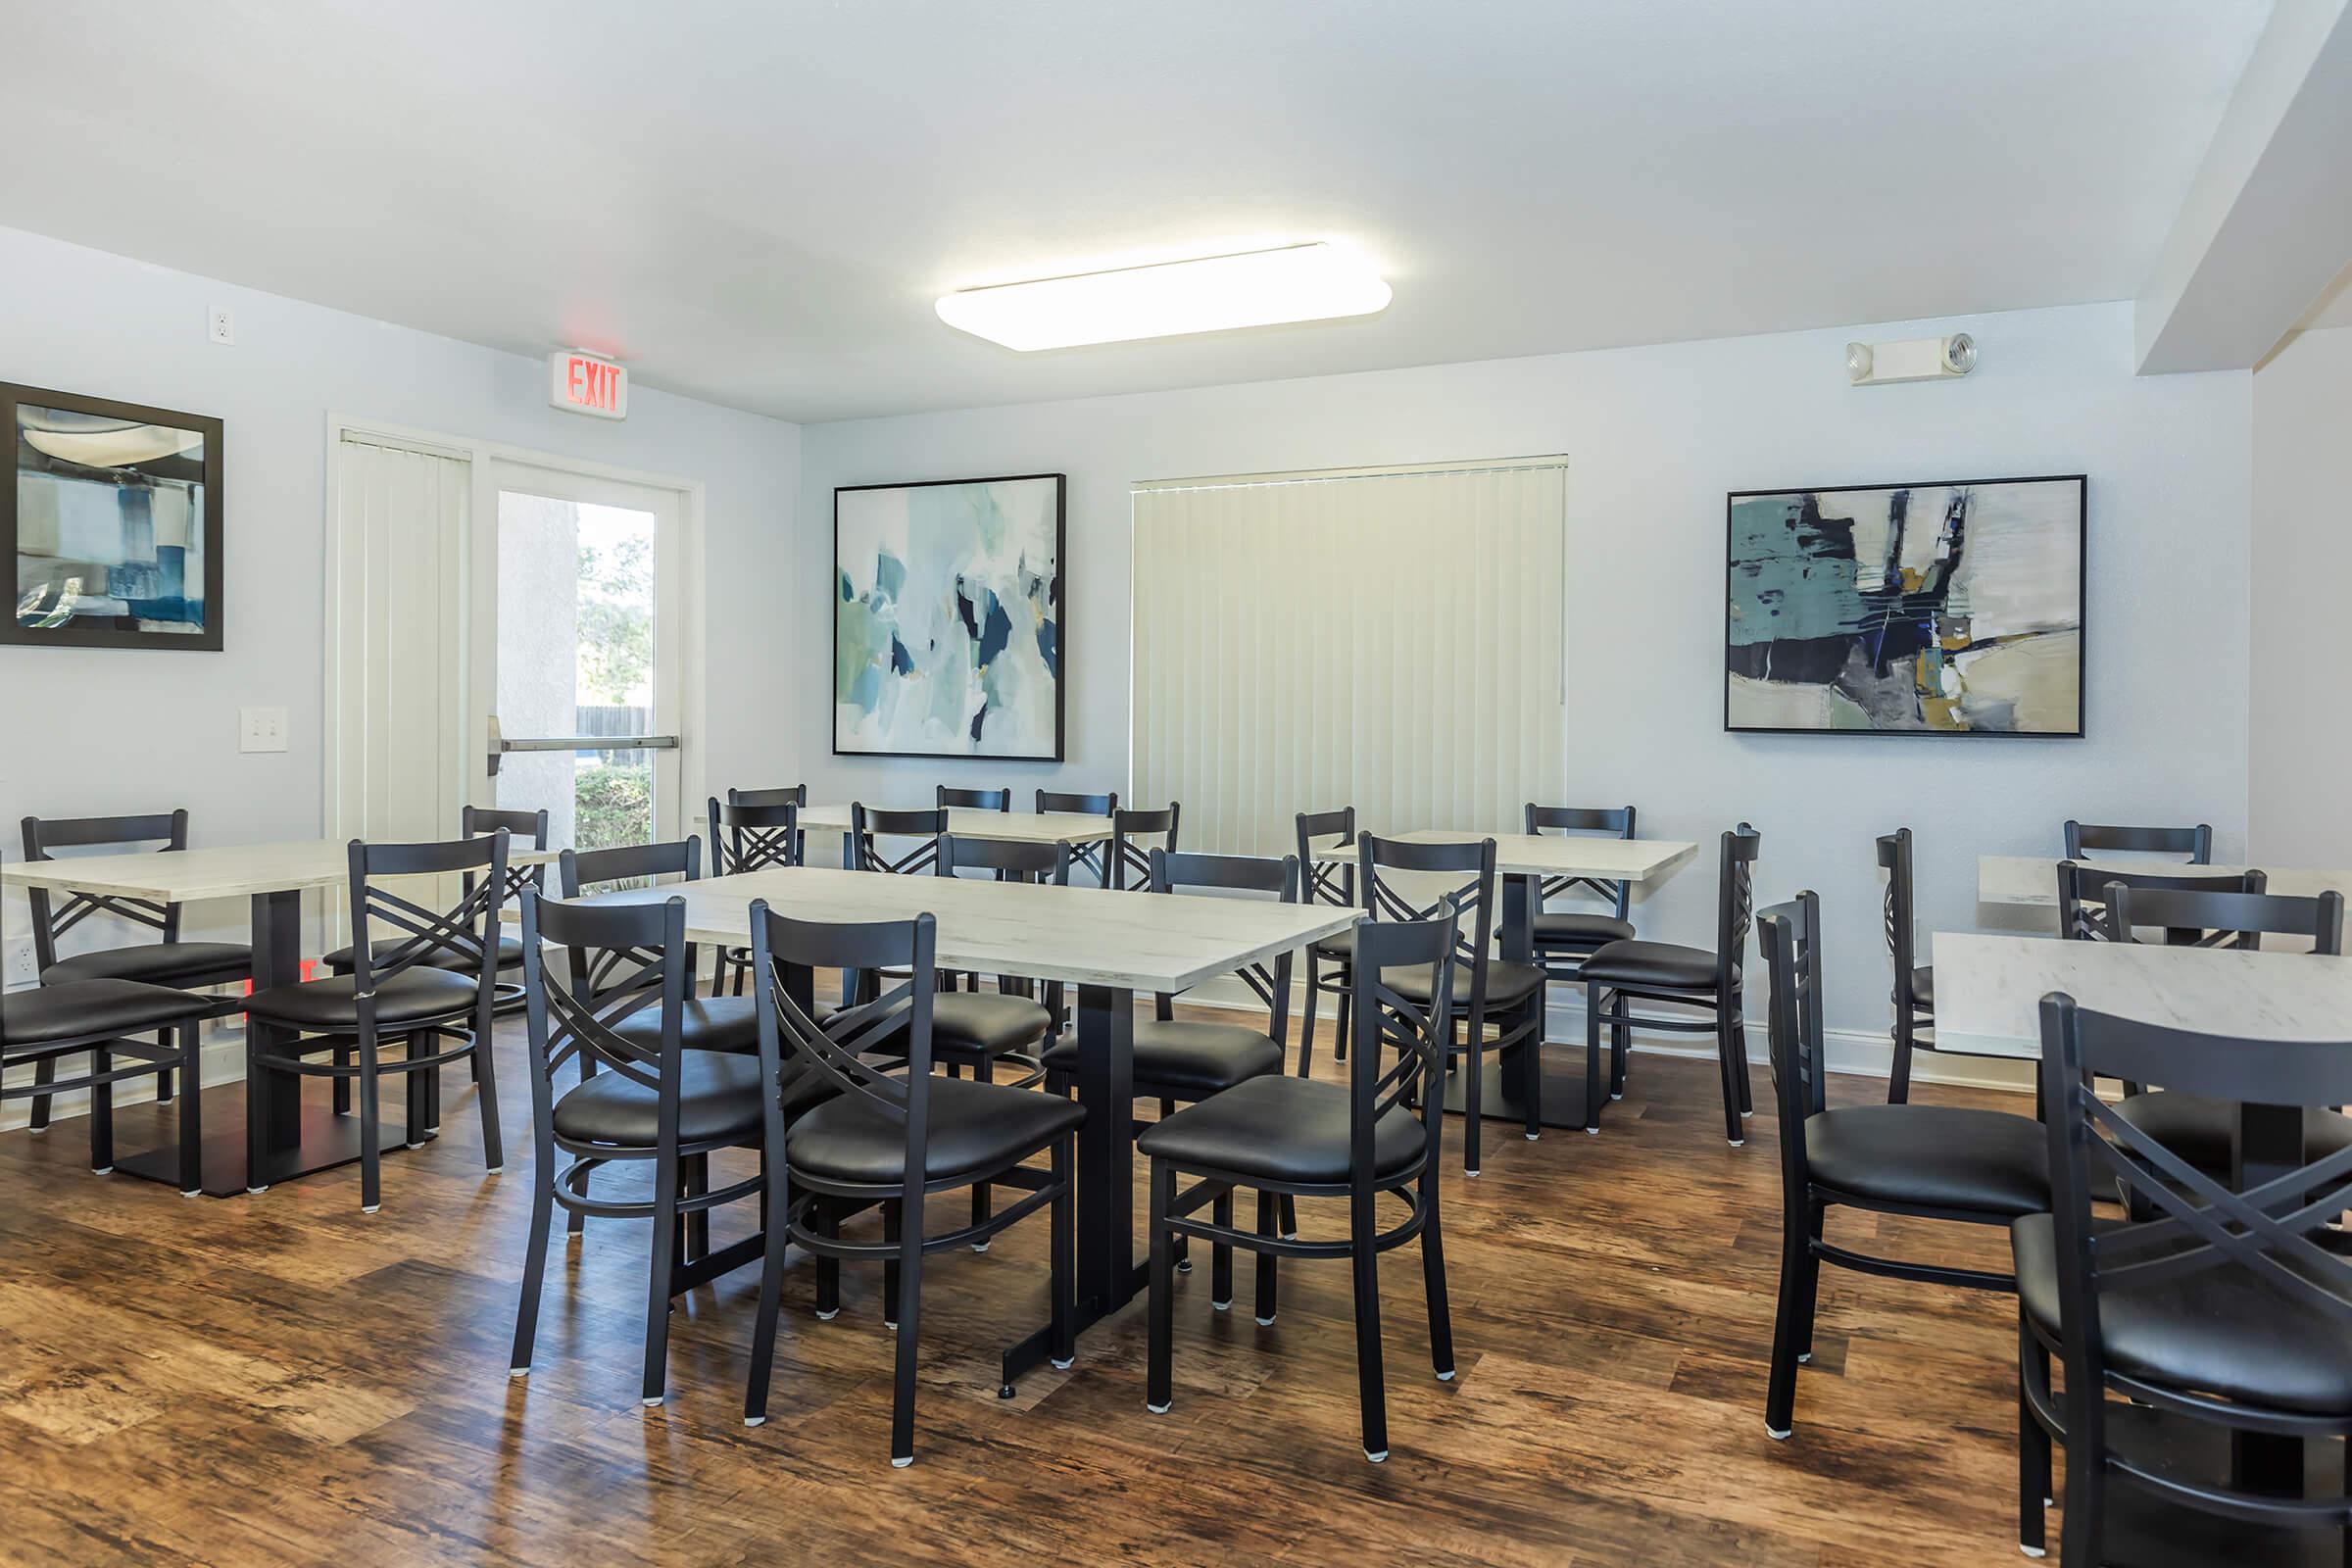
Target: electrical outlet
<point>21,961</point>
<point>221,324</point>
<point>261,730</point>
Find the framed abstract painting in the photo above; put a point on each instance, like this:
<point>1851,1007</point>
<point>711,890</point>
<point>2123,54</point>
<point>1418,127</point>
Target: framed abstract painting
<point>111,518</point>
<point>949,625</point>
<point>1947,608</point>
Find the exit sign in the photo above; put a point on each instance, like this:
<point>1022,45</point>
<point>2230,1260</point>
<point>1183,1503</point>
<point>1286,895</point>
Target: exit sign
<point>586,384</point>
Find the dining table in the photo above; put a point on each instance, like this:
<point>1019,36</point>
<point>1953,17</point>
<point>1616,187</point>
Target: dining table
<point>278,1135</point>
<point>973,822</point>
<point>2031,881</point>
<point>1109,945</point>
<point>1523,864</point>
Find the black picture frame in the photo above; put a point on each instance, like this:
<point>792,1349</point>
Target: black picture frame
<point>216,609</point>
<point>1061,600</point>
<point>2082,483</point>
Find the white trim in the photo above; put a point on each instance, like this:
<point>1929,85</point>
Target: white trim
<point>1229,482</point>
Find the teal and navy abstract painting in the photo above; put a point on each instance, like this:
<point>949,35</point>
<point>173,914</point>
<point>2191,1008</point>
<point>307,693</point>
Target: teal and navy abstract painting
<point>1929,608</point>
<point>947,618</point>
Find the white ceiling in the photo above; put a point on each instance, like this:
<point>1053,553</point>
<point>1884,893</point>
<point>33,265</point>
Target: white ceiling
<point>757,203</point>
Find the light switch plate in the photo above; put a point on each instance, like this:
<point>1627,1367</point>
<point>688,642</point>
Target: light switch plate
<point>261,730</point>
<point>221,324</point>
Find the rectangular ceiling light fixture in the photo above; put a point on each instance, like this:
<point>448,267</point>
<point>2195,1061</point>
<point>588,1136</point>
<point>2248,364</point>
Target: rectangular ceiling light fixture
<point>1310,282</point>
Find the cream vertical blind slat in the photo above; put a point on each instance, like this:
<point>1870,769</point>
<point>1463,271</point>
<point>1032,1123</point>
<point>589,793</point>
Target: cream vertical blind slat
<point>1392,641</point>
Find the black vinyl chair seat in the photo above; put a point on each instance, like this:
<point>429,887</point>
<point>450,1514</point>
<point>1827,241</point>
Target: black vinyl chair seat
<point>2199,1130</point>
<point>154,963</point>
<point>1923,985</point>
<point>81,1008</point>
<point>416,995</point>
<point>719,1098</point>
<point>1509,985</point>
<point>386,950</point>
<point>2222,1332</point>
<point>705,1024</point>
<point>1281,1129</point>
<point>984,1023</point>
<point>1579,927</point>
<point>974,1127</point>
<point>1342,946</point>
<point>1932,1156</point>
<point>1665,964</point>
<point>1188,1059</point>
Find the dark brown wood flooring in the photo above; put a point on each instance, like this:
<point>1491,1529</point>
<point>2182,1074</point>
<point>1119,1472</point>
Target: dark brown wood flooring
<point>281,1379</point>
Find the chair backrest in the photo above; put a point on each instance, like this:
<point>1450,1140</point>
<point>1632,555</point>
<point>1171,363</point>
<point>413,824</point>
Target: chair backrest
<point>1418,1037</point>
<point>753,838</point>
<point>1130,863</point>
<point>1472,899</point>
<point>1077,804</point>
<point>1327,881</point>
<point>622,958</point>
<point>1011,862</point>
<point>2089,838</point>
<point>581,871</point>
<point>786,954</point>
<point>475,820</point>
<point>976,800</point>
<point>1734,906</point>
<point>868,823</point>
<point>1790,936</point>
<point>460,936</point>
<point>2082,893</point>
<point>1268,979</point>
<point>785,795</point>
<point>2271,1235</point>
<point>166,830</point>
<point>1614,820</point>
<point>1900,913</point>
<point>2226,919</point>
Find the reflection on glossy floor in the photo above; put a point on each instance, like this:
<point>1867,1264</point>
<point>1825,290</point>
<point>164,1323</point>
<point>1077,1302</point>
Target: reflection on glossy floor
<point>283,1378</point>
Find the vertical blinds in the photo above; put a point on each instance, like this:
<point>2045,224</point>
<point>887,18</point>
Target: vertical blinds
<point>1390,640</point>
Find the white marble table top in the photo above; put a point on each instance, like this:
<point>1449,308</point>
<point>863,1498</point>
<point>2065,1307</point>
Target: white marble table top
<point>1553,854</point>
<point>224,871</point>
<point>1988,990</point>
<point>2032,880</point>
<point>969,823</point>
<point>1085,936</point>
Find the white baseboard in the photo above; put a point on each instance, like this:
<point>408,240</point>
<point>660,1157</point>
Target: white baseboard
<point>223,1063</point>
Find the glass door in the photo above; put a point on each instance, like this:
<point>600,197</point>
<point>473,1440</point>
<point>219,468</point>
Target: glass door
<point>575,667</point>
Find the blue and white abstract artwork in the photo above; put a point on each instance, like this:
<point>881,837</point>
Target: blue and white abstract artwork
<point>947,618</point>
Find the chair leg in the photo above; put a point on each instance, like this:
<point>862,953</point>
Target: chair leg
<point>1531,1067</point>
<point>1811,1295</point>
<point>1064,1281</point>
<point>371,1130</point>
<point>1290,1219</point>
<point>1306,1034</point>
<point>825,1221</point>
<point>983,1201</point>
<point>343,1058</point>
<point>1898,1077</point>
<point>1474,1080</point>
<point>890,1264</point>
<point>1263,1292</point>
<point>44,1071</point>
<point>1592,1059</point>
<point>658,1278</point>
<point>534,1261</point>
<point>418,1087</point>
<point>696,1181</point>
<point>1158,1376</point>
<point>102,1114</point>
<point>1347,1008</point>
<point>1621,1046</point>
<point>909,1300</point>
<point>1742,1078</point>
<point>485,1074</point>
<point>163,1087</point>
<point>191,1110</point>
<point>1732,1130</point>
<point>2032,1450</point>
<point>1371,1380</point>
<point>1790,1319</point>
<point>1433,1283</point>
<point>776,1200</point>
<point>1220,1267</point>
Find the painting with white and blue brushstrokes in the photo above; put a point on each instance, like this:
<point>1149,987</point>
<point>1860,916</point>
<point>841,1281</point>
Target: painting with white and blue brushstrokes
<point>947,618</point>
<point>1934,609</point>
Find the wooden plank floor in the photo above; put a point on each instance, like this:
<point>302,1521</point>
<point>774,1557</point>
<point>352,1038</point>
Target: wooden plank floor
<point>281,1379</point>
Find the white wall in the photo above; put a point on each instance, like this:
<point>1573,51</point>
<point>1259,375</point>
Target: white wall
<point>1656,437</point>
<point>96,731</point>
<point>2302,558</point>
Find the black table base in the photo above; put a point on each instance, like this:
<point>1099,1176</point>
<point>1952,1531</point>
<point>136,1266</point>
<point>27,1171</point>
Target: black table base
<point>1560,1100</point>
<point>326,1141</point>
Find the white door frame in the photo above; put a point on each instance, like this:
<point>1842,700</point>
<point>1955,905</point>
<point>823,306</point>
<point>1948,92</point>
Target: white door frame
<point>468,732</point>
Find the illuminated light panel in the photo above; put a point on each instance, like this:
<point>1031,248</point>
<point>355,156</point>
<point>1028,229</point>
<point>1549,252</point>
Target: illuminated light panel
<point>1313,283</point>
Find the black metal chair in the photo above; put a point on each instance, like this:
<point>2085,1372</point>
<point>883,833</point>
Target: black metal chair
<point>1691,977</point>
<point>2081,894</point>
<point>1564,938</point>
<point>2221,1322</point>
<point>1130,862</point>
<point>476,822</point>
<point>427,983</point>
<point>1914,994</point>
<point>1329,882</point>
<point>2089,837</point>
<point>180,966</point>
<point>657,1101</point>
<point>2199,1130</point>
<point>1185,1060</point>
<point>887,1140</point>
<point>870,824</point>
<point>796,795</point>
<point>708,1023</point>
<point>1089,855</point>
<point>745,836</point>
<point>1974,1167</point>
<point>1289,1138</point>
<point>975,800</point>
<point>1509,996</point>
